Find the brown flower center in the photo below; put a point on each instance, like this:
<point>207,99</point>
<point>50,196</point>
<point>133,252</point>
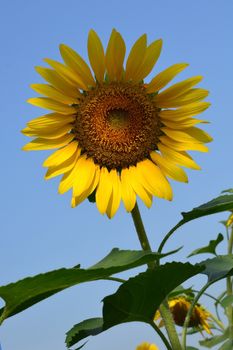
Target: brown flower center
<point>117,125</point>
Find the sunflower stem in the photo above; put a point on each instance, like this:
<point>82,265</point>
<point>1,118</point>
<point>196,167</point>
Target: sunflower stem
<point>164,308</point>
<point>162,336</point>
<point>230,290</point>
<point>189,314</point>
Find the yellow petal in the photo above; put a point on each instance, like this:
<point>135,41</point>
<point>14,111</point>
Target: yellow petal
<point>78,199</point>
<point>67,180</point>
<point>85,171</point>
<point>70,76</point>
<point>229,220</point>
<point>193,134</point>
<point>110,56</point>
<point>155,182</point>
<point>119,50</point>
<point>151,56</point>
<point>61,155</point>
<point>163,78</point>
<point>178,89</point>
<point>147,346</point>
<point>58,82</point>
<point>137,181</point>
<point>199,135</point>
<point>50,133</point>
<point>127,193</point>
<point>183,146</point>
<point>115,55</point>
<point>178,157</point>
<point>169,168</point>
<point>62,168</point>
<point>53,93</point>
<point>104,190</point>
<point>50,121</point>
<point>135,58</point>
<point>184,112</point>
<point>183,123</point>
<point>115,198</point>
<point>77,64</point>
<point>96,55</point>
<point>43,144</point>
<point>190,96</point>
<point>48,103</point>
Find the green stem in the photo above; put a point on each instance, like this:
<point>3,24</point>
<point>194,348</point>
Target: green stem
<point>164,308</point>
<point>142,236</point>
<point>169,325</point>
<point>189,313</point>
<point>168,235</point>
<point>158,331</point>
<point>230,290</point>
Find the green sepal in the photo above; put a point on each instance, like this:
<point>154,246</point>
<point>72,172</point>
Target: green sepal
<point>91,198</point>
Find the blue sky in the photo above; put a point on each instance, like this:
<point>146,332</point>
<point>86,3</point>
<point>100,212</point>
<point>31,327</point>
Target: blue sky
<point>39,230</point>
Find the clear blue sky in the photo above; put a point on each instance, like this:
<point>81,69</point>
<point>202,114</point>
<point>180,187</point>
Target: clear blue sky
<point>39,231</point>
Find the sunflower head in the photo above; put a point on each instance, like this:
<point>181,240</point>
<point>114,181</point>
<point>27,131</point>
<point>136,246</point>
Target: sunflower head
<point>147,346</point>
<point>116,137</point>
<point>179,307</point>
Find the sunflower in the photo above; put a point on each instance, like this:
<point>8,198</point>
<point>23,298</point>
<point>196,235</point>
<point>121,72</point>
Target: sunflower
<point>147,346</point>
<point>179,308</point>
<point>116,136</point>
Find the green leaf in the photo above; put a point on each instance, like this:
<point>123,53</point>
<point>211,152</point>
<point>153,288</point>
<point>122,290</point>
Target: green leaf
<point>21,295</point>
<point>180,290</point>
<point>230,190</point>
<point>138,298</point>
<point>218,268</point>
<point>228,300</point>
<point>217,205</point>
<point>228,345</point>
<point>215,340</point>
<point>128,259</point>
<point>210,248</point>
<point>191,348</point>
<point>92,326</point>
<point>223,222</point>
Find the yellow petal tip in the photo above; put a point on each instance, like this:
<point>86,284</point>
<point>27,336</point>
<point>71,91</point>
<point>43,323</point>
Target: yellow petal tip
<point>24,131</point>
<point>26,148</point>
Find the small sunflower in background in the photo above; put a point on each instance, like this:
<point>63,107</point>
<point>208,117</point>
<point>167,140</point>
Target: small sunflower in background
<point>147,346</point>
<point>179,307</point>
<point>230,219</point>
<point>116,136</point>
